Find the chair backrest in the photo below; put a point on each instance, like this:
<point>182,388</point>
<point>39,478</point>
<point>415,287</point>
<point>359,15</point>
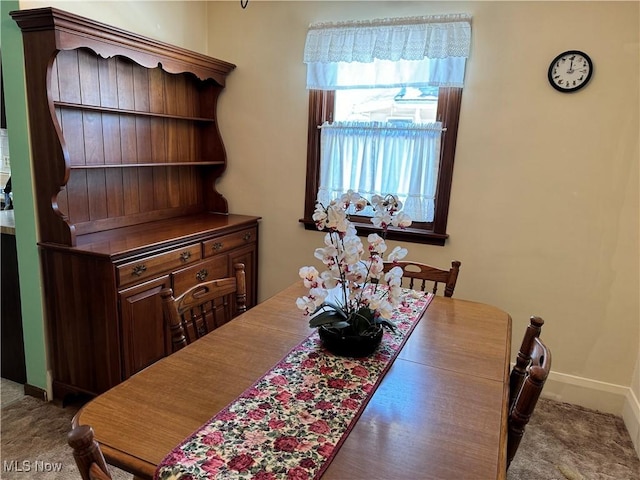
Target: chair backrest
<point>528,377</point>
<point>419,276</point>
<point>204,307</point>
<point>87,454</point>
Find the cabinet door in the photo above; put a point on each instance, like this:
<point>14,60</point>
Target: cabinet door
<point>145,337</point>
<point>247,256</point>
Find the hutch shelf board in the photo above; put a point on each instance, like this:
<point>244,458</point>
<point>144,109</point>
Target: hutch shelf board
<point>126,155</point>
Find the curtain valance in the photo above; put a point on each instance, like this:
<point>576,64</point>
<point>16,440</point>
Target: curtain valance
<point>409,38</point>
<point>411,51</point>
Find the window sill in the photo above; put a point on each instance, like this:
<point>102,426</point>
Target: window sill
<point>411,235</point>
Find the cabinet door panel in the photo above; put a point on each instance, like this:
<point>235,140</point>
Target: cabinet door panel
<point>145,338</point>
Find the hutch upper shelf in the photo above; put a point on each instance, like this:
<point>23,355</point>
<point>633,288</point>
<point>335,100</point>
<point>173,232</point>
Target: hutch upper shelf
<point>127,130</point>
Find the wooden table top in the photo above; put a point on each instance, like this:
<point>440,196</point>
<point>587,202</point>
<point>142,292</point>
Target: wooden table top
<point>440,411</point>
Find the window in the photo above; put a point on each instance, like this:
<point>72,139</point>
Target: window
<point>388,109</point>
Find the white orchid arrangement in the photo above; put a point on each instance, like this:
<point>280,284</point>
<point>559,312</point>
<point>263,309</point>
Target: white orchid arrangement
<point>352,272</point>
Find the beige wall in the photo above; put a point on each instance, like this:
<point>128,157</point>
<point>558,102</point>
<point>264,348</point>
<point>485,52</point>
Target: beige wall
<point>544,213</point>
<point>180,23</point>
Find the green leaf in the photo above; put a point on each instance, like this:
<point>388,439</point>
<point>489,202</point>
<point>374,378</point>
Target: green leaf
<point>325,318</point>
<point>362,320</point>
<point>366,313</point>
<point>385,323</point>
<point>340,325</point>
<point>336,309</point>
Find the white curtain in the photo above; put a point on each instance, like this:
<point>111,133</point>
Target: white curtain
<point>429,51</point>
<point>410,156</point>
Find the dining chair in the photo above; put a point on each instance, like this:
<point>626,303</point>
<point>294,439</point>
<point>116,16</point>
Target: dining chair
<point>526,381</point>
<point>87,454</point>
<point>420,275</point>
<point>204,307</point>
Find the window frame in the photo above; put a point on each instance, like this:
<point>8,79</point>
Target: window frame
<point>321,108</point>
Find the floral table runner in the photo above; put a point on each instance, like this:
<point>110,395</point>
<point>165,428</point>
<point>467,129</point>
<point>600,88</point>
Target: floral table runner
<point>292,421</point>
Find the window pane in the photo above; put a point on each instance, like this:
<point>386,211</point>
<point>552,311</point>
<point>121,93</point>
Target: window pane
<point>387,105</point>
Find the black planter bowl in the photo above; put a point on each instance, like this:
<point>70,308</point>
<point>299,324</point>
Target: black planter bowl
<point>350,345</point>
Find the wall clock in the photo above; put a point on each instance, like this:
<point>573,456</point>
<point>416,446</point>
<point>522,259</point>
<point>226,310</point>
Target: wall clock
<point>570,71</point>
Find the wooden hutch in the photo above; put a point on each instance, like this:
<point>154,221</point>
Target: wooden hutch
<point>126,154</point>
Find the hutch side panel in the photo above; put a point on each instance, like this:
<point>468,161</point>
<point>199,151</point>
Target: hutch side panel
<point>82,321</point>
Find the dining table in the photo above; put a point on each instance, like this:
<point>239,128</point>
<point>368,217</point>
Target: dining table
<point>439,410</point>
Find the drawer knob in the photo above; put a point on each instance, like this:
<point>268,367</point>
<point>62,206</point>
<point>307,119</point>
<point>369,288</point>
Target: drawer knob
<point>184,256</point>
<point>202,275</point>
<point>247,237</point>
<point>217,246</point>
<point>139,270</point>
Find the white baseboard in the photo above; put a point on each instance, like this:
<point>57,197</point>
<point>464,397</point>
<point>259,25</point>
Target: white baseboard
<point>631,417</point>
<point>596,395</point>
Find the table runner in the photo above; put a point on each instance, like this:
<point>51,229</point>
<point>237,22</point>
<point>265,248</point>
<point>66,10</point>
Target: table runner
<point>292,421</point>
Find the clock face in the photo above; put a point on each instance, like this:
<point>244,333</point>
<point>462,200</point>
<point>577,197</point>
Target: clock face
<point>570,71</point>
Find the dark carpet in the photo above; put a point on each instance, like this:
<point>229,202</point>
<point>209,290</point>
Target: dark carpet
<point>564,441</point>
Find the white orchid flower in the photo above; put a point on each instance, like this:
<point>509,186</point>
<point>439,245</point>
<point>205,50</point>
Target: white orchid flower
<point>401,220</point>
<point>361,204</point>
<point>357,273</point>
<point>327,254</point>
<point>310,276</point>
<point>393,275</point>
<point>337,218</point>
<point>329,280</point>
<point>398,253</point>
<point>351,231</point>
<point>381,219</point>
<point>349,198</point>
<point>395,203</point>
<point>372,300</point>
<point>353,250</point>
<point>377,201</point>
<point>320,217</point>
<point>385,309</point>
<point>306,304</point>
<point>318,295</point>
<point>376,243</point>
<point>395,293</point>
<point>376,266</point>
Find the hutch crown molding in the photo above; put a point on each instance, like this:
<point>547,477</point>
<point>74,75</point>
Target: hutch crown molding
<point>126,155</point>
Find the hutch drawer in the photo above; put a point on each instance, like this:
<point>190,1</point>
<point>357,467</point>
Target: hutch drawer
<point>134,272</point>
<point>187,277</point>
<point>228,242</point>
